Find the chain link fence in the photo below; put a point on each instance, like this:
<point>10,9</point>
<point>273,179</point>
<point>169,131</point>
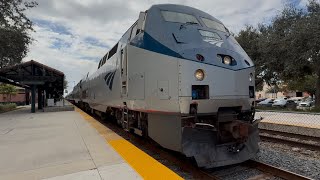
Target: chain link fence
<point>289,120</point>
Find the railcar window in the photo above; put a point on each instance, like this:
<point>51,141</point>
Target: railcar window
<point>113,51</point>
<point>99,64</point>
<point>104,58</point>
<point>178,17</point>
<point>207,35</point>
<point>214,25</point>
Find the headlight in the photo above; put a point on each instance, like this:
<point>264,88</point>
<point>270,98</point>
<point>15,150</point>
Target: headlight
<point>199,74</point>
<point>250,77</point>
<point>227,60</point>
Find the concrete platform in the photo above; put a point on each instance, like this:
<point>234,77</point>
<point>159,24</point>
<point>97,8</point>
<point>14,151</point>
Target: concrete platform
<point>56,146</point>
<point>62,105</point>
<point>298,123</point>
<point>58,108</point>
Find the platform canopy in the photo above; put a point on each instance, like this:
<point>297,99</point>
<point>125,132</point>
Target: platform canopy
<point>34,75</point>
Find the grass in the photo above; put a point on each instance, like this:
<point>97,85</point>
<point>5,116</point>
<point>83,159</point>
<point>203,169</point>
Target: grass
<point>317,109</point>
<point>311,110</point>
<point>7,107</point>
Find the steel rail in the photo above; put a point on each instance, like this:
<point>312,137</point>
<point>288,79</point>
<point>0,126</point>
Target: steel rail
<point>275,171</point>
<point>295,143</point>
<point>291,135</point>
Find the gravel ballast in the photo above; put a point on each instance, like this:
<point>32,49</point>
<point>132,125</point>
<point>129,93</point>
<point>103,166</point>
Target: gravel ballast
<point>291,159</point>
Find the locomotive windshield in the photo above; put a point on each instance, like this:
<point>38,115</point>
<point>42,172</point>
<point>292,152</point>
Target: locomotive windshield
<point>214,25</point>
<point>207,35</point>
<point>179,17</point>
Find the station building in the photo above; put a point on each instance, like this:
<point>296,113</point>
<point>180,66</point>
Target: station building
<point>38,81</point>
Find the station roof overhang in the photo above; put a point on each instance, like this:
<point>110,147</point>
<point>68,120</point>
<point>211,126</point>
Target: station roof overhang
<point>33,73</point>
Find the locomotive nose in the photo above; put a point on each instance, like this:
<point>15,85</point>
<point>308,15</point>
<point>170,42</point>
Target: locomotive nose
<point>218,87</point>
<point>215,81</point>
<point>230,83</point>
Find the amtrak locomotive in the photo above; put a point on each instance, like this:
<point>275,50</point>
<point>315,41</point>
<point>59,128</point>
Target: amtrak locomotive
<point>179,77</point>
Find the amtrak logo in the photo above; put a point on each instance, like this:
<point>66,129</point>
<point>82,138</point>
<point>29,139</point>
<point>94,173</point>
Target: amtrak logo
<point>109,79</point>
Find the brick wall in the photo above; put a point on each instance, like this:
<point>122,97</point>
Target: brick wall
<point>17,98</point>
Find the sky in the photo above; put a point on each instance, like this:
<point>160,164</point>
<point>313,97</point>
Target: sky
<point>73,35</point>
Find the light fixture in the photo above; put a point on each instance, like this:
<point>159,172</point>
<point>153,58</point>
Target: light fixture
<point>250,77</point>
<point>227,60</point>
<point>199,74</point>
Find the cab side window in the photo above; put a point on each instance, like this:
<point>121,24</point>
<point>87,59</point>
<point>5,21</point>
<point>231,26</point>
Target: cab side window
<point>134,31</point>
<point>113,51</point>
<point>99,64</point>
<point>126,36</point>
<point>104,59</point>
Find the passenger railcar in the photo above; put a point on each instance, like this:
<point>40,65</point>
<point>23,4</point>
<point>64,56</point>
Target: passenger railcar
<point>178,76</point>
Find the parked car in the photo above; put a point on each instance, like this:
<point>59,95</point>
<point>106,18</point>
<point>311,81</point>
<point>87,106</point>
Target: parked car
<point>297,100</point>
<point>284,103</point>
<point>259,100</point>
<point>284,97</point>
<point>265,103</point>
<point>306,103</point>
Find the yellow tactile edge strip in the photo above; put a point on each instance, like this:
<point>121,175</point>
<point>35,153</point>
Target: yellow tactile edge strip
<point>142,163</point>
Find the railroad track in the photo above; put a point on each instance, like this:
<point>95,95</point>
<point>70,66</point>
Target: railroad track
<point>266,171</point>
<point>274,171</point>
<point>291,139</point>
<point>173,160</point>
<point>186,165</point>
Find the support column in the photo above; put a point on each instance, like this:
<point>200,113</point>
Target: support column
<point>40,103</point>
<point>27,96</point>
<point>44,98</point>
<point>33,98</point>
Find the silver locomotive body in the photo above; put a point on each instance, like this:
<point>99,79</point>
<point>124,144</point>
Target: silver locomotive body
<point>179,77</point>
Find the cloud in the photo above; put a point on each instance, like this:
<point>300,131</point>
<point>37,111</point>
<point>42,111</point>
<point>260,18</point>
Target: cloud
<point>52,26</point>
<point>73,35</point>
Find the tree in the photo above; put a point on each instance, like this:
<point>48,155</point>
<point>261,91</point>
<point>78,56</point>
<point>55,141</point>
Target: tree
<point>305,84</point>
<point>249,40</point>
<point>300,45</point>
<point>288,49</point>
<point>253,41</point>
<point>274,89</point>
<point>13,46</point>
<point>313,26</point>
<point>8,90</point>
<point>14,31</point>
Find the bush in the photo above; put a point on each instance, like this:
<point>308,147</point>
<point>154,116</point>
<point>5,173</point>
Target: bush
<point>7,107</point>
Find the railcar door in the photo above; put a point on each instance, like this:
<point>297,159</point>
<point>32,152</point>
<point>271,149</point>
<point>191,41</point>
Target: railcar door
<point>124,72</point>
